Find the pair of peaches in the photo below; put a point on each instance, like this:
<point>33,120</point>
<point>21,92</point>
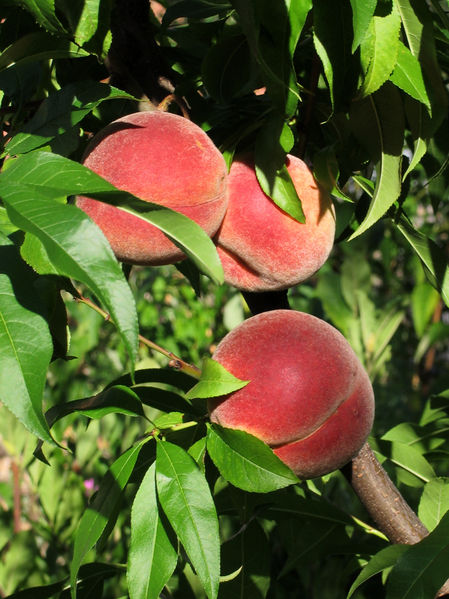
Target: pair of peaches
<point>309,397</point>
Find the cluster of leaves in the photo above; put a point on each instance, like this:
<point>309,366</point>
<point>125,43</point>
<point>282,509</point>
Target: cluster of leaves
<point>359,89</point>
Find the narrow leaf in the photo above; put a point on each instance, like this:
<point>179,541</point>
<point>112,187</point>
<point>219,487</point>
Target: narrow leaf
<point>64,230</point>
<point>44,13</point>
<point>215,381</point>
<point>60,112</point>
<point>408,76</point>
<point>362,13</point>
<point>25,342</point>
<point>332,36</point>
<point>102,509</point>
<point>379,51</point>
<point>113,400</point>
<point>187,502</point>
<point>386,118</point>
<point>423,568</point>
<point>39,46</point>
<point>152,557</point>
<point>434,502</point>
<point>246,462</point>
<point>385,559</point>
<point>433,257</point>
<point>272,144</point>
<point>90,24</point>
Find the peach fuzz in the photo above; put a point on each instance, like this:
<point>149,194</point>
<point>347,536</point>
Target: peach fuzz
<point>162,158</point>
<point>309,397</point>
<point>261,247</point>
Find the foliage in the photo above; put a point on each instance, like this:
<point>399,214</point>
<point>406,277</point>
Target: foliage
<point>127,490</point>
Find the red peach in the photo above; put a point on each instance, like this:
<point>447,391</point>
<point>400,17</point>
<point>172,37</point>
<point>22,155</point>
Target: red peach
<point>162,158</point>
<point>309,397</point>
<point>261,247</point>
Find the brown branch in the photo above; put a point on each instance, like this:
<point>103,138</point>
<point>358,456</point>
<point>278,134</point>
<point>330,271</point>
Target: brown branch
<point>384,502</point>
<point>17,501</point>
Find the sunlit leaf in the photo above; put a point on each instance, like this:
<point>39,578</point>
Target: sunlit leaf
<point>187,502</point>
<point>102,509</point>
<point>25,342</point>
<point>152,557</point>
<point>215,380</point>
<point>247,462</point>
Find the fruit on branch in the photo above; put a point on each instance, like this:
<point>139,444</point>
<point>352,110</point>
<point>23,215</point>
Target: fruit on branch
<point>161,158</point>
<point>309,397</point>
<point>261,247</point>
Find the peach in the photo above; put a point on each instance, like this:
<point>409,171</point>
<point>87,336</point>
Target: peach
<point>309,397</point>
<point>162,158</point>
<point>260,246</point>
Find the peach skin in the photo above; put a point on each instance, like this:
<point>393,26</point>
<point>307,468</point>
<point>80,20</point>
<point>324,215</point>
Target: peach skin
<point>260,246</point>
<point>309,396</point>
<point>162,158</point>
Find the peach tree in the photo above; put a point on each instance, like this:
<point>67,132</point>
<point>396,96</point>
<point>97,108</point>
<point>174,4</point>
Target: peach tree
<point>114,480</point>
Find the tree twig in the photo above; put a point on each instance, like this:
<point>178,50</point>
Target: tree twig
<point>174,361</point>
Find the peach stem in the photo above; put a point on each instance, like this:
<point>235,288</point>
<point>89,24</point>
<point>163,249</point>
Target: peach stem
<point>170,99</point>
<point>174,361</point>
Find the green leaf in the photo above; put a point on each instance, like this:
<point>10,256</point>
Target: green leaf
<point>384,560</point>
<point>434,502</point>
<point>44,13</point>
<point>419,30</point>
<point>409,458</point>
<point>408,76</point>
<point>379,51</point>
<point>63,229</point>
<point>25,342</point>
<point>90,24</point>
<point>152,557</point>
<point>248,554</point>
<point>102,509</point>
<point>113,400</point>
<point>215,381</point>
<point>326,172</point>
<point>61,111</point>
<point>272,144</point>
<point>163,400</point>
<point>362,13</point>
<point>58,176</point>
<point>386,328</point>
<point>332,35</point>
<point>246,462</point>
<point>35,255</point>
<point>168,376</point>
<point>39,46</point>
<point>433,257</point>
<point>437,332</point>
<point>187,502</point>
<point>422,569</point>
<point>424,300</point>
<point>384,113</point>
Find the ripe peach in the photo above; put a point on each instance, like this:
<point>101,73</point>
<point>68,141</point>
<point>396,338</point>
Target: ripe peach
<point>260,246</point>
<point>162,158</point>
<point>309,397</point>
